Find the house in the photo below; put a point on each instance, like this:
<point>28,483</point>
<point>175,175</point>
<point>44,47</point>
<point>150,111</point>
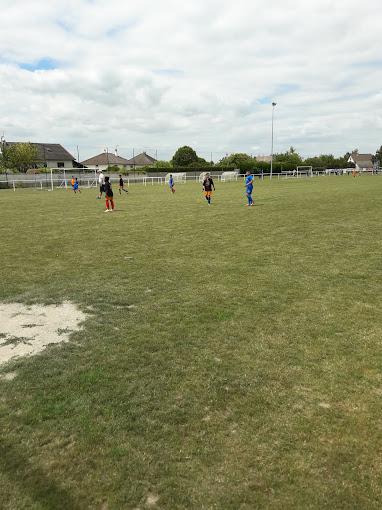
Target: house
<point>142,159</point>
<point>361,161</point>
<point>264,159</point>
<point>106,159</point>
<point>51,155</point>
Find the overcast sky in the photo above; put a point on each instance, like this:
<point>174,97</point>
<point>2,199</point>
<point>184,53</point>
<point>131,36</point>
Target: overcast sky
<point>156,75</point>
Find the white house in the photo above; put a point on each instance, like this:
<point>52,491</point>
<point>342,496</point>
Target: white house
<point>140,160</point>
<point>361,161</point>
<point>51,155</point>
<point>104,160</point>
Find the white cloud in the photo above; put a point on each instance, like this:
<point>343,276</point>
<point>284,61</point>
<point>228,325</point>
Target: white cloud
<point>165,74</point>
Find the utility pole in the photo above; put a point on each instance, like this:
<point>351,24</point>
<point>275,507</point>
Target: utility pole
<point>273,109</point>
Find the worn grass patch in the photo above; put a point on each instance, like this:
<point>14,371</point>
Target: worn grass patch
<point>230,358</point>
<point>19,337</point>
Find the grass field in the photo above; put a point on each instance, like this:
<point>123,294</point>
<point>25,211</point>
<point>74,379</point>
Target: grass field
<point>231,358</point>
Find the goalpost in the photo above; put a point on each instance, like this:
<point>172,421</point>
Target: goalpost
<point>179,178</point>
<point>305,171</point>
<point>88,177</point>
<point>229,176</point>
<point>202,176</point>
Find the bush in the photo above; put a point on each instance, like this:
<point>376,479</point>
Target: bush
<point>192,169</point>
<point>141,170</point>
<point>9,171</point>
<point>162,164</point>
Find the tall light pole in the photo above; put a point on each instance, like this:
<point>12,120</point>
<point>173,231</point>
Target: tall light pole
<point>273,110</point>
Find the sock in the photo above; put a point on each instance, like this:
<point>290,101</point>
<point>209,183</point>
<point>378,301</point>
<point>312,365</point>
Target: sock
<point>249,199</point>
<point>112,205</point>
<point>107,205</point>
<point>120,192</point>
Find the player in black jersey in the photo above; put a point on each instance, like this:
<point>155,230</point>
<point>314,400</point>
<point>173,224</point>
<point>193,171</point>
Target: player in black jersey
<point>121,185</point>
<point>208,184</point>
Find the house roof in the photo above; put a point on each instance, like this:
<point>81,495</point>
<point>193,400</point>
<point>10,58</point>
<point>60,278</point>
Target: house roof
<point>265,159</point>
<point>49,151</point>
<point>365,164</point>
<point>105,159</point>
<point>362,160</point>
<point>142,159</point>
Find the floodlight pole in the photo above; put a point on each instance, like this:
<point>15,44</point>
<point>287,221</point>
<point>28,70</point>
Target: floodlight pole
<point>273,110</point>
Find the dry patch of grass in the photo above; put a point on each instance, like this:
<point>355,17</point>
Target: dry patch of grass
<point>28,330</point>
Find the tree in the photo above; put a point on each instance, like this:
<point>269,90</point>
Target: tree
<point>201,162</point>
<point>3,156</point>
<point>21,156</point>
<point>184,156</point>
<point>163,164</point>
<point>235,159</point>
<point>290,156</point>
<point>328,161</point>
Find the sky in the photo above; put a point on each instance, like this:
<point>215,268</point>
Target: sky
<point>157,75</point>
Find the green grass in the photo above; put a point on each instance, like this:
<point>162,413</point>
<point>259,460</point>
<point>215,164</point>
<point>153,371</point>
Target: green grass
<point>232,358</point>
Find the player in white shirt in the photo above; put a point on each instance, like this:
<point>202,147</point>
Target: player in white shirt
<point>101,181</point>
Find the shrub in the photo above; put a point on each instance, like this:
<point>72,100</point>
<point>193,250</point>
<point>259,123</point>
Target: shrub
<point>141,170</point>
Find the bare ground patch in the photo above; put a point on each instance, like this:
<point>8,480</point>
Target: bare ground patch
<point>27,330</point>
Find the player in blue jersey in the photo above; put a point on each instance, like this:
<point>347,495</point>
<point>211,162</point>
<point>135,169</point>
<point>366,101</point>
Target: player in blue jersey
<point>75,186</point>
<point>171,182</point>
<point>249,188</point>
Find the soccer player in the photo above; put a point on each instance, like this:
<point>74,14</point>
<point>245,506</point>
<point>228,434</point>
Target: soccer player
<point>72,182</point>
<point>249,188</point>
<point>121,185</point>
<point>208,183</point>
<point>101,182</point>
<point>171,182</point>
<point>75,186</point>
<point>109,195</point>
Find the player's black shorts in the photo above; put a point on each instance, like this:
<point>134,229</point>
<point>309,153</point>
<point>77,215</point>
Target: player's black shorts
<point>102,188</point>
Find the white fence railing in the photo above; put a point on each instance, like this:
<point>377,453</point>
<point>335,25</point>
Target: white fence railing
<point>40,182</point>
